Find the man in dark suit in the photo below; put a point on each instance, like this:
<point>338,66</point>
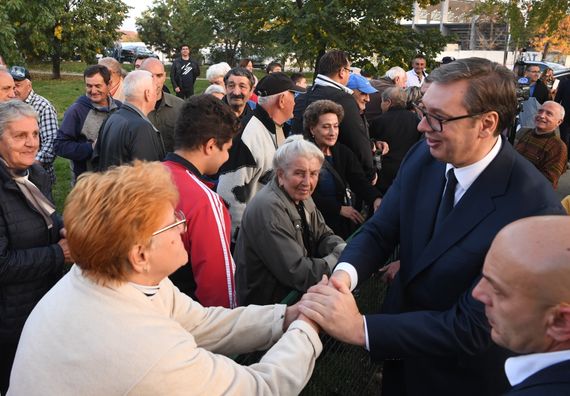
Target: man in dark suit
<point>334,72</point>
<point>527,301</point>
<point>456,189</point>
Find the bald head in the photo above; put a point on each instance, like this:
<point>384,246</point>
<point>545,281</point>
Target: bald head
<point>525,285</point>
<point>6,86</point>
<point>156,68</point>
<point>539,248</point>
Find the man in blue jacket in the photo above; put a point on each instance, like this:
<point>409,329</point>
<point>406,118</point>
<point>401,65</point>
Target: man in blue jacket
<point>454,191</point>
<point>527,301</point>
<point>79,129</point>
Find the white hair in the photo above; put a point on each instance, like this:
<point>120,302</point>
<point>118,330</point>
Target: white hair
<point>561,110</point>
<point>394,72</point>
<point>217,70</point>
<point>294,147</point>
<point>268,100</point>
<point>136,83</point>
<point>13,110</point>
<point>212,89</point>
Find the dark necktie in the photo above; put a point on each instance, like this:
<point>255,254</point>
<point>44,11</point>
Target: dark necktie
<point>448,199</point>
<point>304,227</point>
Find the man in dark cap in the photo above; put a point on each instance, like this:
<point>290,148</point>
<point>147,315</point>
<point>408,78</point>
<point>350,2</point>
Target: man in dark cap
<point>250,166</point>
<point>46,113</point>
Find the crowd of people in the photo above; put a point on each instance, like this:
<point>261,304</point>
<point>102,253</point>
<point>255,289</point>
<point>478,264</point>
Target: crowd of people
<point>193,217</point>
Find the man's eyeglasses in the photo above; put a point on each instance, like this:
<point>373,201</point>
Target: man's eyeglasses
<point>348,69</point>
<point>180,220</point>
<point>436,122</point>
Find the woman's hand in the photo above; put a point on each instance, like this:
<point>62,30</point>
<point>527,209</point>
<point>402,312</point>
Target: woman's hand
<point>350,213</point>
<point>381,145</point>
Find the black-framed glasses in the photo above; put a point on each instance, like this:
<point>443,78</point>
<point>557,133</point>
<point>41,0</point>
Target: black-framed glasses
<point>436,122</point>
<point>348,69</point>
<point>180,220</point>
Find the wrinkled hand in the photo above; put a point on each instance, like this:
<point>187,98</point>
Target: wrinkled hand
<point>66,252</point>
<point>390,271</point>
<point>376,204</point>
<point>333,308</point>
<point>291,314</point>
<point>352,214</point>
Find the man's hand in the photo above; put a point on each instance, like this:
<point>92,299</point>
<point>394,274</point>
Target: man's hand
<point>350,213</point>
<point>376,204</point>
<point>177,89</point>
<point>334,309</point>
<point>342,277</point>
<point>390,271</point>
<point>381,145</point>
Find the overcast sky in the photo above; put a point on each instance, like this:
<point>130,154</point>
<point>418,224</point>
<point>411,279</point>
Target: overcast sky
<point>138,6</point>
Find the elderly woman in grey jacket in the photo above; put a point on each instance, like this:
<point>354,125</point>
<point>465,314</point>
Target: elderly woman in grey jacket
<point>284,243</point>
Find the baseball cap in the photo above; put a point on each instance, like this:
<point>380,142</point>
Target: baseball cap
<point>20,73</point>
<point>275,83</point>
<point>356,81</point>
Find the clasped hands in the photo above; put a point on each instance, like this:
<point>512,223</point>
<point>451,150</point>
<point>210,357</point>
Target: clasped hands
<point>331,305</point>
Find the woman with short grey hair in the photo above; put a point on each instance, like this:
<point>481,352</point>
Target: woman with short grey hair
<point>32,251</point>
<point>284,244</point>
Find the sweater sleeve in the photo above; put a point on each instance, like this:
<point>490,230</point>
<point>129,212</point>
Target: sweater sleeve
<point>284,370</point>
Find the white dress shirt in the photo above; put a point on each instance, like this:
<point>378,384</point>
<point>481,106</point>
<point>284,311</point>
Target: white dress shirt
<point>413,79</point>
<point>520,368</point>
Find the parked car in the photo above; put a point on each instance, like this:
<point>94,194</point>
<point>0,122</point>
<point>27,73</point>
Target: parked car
<point>560,72</point>
<point>128,52</point>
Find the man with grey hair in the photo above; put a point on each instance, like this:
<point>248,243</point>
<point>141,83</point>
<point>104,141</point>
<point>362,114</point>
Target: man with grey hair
<point>128,134</point>
<point>394,77</point>
<point>250,166</point>
<point>6,86</point>
<point>167,107</point>
<point>116,83</point>
<point>47,117</point>
<point>239,84</point>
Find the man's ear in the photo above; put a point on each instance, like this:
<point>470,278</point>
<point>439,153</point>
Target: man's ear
<point>208,147</point>
<point>559,323</point>
<point>138,258</point>
<point>489,123</point>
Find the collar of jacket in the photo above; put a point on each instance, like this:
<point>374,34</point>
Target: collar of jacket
<point>113,104</point>
<point>247,109</point>
<point>33,174</point>
<point>325,81</point>
<point>130,107</point>
<point>166,100</point>
<point>262,116</point>
<point>173,157</point>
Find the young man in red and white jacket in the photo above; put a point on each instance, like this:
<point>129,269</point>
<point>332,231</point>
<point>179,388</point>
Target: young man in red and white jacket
<point>202,137</point>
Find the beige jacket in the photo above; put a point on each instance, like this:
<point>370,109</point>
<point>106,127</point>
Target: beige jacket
<point>85,339</point>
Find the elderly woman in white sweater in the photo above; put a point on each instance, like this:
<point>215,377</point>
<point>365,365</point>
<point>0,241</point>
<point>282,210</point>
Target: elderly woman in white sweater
<point>115,324</point>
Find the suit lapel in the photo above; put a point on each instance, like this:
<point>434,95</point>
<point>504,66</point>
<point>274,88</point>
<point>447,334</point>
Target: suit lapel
<point>475,205</point>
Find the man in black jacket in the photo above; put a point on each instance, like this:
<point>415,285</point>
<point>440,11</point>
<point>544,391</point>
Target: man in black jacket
<point>128,134</point>
<point>184,73</point>
<point>334,71</point>
<point>537,88</point>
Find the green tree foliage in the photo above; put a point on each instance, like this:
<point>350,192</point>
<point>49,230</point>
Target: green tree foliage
<point>60,29</point>
<point>526,18</point>
<point>303,29</point>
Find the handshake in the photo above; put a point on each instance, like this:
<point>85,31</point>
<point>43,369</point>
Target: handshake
<point>329,305</point>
